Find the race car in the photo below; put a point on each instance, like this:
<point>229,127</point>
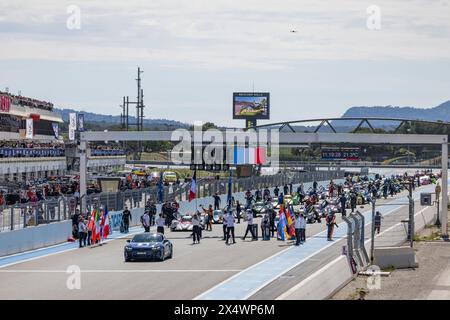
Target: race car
<point>259,208</point>
<point>217,216</point>
<point>183,223</point>
<point>145,246</point>
<point>287,199</point>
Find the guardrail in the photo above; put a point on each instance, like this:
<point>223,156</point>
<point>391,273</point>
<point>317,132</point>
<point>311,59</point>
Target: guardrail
<point>58,209</point>
<point>355,249</point>
<point>137,198</point>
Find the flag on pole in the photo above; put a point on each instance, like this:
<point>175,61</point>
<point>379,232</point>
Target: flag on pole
<point>96,230</point>
<point>91,224</point>
<point>105,223</point>
<point>281,230</point>
<point>160,188</point>
<point>193,190</point>
<point>229,197</point>
<point>289,222</point>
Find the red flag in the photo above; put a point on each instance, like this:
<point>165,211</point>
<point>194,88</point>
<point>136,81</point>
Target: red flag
<point>91,226</point>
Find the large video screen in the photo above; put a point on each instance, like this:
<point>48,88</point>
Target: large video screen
<point>251,105</point>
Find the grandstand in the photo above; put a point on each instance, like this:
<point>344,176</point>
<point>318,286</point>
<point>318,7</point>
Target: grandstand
<point>40,152</point>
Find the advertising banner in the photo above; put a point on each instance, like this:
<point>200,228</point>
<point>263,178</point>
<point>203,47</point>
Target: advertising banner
<point>55,130</point>
<point>29,129</point>
<point>81,122</point>
<point>72,125</point>
<point>5,103</point>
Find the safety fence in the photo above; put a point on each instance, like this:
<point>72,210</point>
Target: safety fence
<point>388,229</point>
<point>137,198</point>
<point>355,249</point>
<point>397,228</point>
<point>51,210</point>
<point>23,215</point>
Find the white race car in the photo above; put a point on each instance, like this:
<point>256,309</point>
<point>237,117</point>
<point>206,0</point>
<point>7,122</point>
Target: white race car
<point>182,224</point>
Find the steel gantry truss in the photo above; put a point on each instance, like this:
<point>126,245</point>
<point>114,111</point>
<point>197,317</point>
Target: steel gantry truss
<point>335,124</point>
<point>283,138</point>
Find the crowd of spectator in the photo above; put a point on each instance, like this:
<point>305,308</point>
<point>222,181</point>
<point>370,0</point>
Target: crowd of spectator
<point>23,149</point>
<point>29,102</point>
<point>33,193</point>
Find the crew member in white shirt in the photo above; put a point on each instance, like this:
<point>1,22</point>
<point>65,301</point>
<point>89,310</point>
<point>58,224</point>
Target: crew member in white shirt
<point>302,228</point>
<point>146,222</point>
<point>196,229</point>
<point>249,225</point>
<point>224,226</point>
<point>230,226</point>
<point>160,224</point>
<point>297,224</point>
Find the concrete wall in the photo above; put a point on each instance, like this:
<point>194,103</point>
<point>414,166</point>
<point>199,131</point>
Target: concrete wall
<point>332,277</point>
<point>58,232</point>
<point>34,237</point>
<point>50,234</point>
<point>323,283</point>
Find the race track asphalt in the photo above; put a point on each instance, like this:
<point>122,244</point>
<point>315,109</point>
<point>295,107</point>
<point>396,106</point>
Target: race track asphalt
<point>104,275</point>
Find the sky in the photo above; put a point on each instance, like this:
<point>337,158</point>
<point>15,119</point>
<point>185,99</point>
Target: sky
<point>196,53</point>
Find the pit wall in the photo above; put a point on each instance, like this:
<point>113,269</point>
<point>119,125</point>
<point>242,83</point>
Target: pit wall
<point>41,236</point>
<point>328,280</point>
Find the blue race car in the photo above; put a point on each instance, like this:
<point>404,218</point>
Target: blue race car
<point>146,246</point>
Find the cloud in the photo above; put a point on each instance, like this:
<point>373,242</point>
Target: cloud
<point>221,34</point>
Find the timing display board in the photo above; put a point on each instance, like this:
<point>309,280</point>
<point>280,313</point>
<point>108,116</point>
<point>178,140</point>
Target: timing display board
<point>343,154</point>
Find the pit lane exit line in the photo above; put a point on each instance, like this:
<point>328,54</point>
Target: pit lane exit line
<point>56,249</point>
<point>119,271</point>
<point>244,284</point>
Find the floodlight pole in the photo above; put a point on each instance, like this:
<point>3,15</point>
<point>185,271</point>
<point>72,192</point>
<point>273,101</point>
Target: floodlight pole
<point>83,175</point>
<point>444,178</point>
<point>372,238</point>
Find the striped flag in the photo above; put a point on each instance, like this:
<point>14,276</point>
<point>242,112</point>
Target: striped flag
<point>290,223</point>
<point>105,224</point>
<point>281,228</point>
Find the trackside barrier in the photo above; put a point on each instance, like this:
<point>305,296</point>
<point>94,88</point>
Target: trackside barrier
<point>356,251</point>
<point>26,215</point>
<point>137,198</point>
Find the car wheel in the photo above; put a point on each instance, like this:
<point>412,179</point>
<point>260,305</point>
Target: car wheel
<point>127,259</point>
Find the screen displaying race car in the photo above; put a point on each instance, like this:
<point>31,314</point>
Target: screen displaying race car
<point>254,105</point>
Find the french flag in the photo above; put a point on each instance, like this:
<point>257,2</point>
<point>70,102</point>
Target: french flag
<point>250,155</point>
<point>193,191</point>
<point>105,224</point>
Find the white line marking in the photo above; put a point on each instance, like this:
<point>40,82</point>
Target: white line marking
<point>119,271</point>
<point>63,251</point>
<point>290,248</point>
<point>297,286</point>
<point>396,225</point>
<point>294,288</point>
